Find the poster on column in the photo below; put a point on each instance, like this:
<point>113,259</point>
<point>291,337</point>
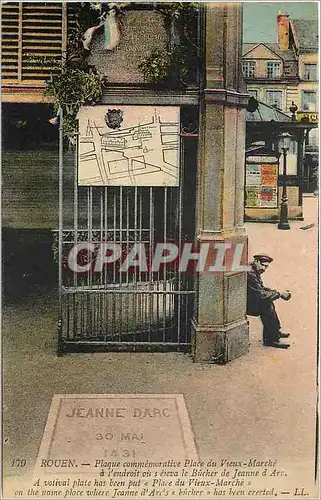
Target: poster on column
<point>269,175</point>
<point>261,183</point>
<point>133,366</point>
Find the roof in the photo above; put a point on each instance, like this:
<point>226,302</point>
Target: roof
<point>306,34</point>
<point>286,55</point>
<point>267,113</point>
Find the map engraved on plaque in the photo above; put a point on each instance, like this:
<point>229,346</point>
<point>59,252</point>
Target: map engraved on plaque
<point>129,146</point>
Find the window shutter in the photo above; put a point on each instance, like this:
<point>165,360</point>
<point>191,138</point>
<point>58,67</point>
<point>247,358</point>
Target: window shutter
<point>31,32</point>
<point>10,41</point>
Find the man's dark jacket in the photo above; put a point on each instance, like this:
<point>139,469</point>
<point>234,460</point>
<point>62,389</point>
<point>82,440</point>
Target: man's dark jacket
<point>257,294</point>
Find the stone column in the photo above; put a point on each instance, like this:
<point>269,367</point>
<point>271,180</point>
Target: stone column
<point>220,329</point>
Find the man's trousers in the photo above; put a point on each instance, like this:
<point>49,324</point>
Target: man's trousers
<point>271,323</point>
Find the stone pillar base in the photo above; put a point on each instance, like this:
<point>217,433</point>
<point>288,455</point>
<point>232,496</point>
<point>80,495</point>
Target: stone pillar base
<point>220,343</point>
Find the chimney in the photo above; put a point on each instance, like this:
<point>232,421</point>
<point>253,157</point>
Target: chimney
<point>283,30</point>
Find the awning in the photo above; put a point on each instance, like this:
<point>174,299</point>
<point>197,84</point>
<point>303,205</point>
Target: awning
<point>267,113</point>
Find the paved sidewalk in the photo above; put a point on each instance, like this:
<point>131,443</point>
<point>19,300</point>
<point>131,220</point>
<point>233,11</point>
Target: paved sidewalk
<point>261,405</point>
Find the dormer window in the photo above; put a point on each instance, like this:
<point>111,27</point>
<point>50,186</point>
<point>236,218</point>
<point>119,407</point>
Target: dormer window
<point>248,69</point>
<point>273,69</point>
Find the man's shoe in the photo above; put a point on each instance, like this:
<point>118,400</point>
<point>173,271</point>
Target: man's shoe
<point>283,335</point>
<point>279,345</point>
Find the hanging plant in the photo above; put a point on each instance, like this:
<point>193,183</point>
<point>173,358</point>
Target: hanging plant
<point>177,64</point>
<point>71,89</point>
<point>74,83</point>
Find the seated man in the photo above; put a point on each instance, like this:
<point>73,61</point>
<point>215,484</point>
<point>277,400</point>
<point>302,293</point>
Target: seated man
<point>260,302</point>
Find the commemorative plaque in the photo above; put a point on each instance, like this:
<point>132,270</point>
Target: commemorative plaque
<point>85,432</point>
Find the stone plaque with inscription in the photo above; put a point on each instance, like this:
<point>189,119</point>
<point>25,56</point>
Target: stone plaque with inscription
<point>85,432</point>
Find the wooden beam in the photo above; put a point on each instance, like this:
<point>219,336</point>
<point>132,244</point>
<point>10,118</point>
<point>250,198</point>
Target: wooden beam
<point>25,97</point>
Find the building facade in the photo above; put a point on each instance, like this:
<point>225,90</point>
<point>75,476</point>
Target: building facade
<point>284,76</point>
<point>271,74</point>
<point>286,71</point>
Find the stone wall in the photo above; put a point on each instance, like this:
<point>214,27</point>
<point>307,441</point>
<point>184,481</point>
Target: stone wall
<point>141,33</point>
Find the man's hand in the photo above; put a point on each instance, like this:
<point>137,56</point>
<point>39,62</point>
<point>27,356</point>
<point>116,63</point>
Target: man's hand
<point>285,295</point>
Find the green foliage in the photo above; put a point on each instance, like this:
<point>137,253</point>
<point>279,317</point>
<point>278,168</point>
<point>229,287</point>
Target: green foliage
<point>166,67</point>
<point>177,64</point>
<point>74,87</point>
<point>155,67</point>
<point>71,89</point>
<point>84,17</point>
<point>177,10</point>
<point>54,249</point>
<point>73,82</point>
<point>69,126</point>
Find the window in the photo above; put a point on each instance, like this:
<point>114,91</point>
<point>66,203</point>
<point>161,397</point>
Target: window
<point>248,68</point>
<point>274,98</point>
<point>273,69</point>
<point>253,93</point>
<point>310,72</point>
<point>33,37</point>
<point>309,100</point>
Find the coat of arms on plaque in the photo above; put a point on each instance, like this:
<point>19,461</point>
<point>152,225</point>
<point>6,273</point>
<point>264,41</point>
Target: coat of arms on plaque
<point>114,118</point>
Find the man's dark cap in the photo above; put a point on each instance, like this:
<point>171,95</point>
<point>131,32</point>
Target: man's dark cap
<point>262,257</point>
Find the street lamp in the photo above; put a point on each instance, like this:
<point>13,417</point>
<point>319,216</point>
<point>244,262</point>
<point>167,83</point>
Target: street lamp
<point>284,146</point>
